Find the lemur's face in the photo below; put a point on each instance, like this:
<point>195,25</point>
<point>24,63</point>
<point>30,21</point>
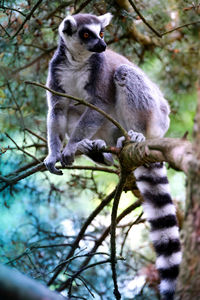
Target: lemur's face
<point>84,33</point>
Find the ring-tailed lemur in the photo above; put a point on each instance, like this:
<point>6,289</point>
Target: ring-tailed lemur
<point>81,67</point>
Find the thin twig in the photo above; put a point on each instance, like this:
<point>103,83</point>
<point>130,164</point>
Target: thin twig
<point>143,19</point>
<point>100,240</point>
<point>60,7</point>
<point>27,18</point>
<point>36,135</point>
<point>127,232</point>
<point>113,233</point>
<point>81,101</point>
<point>5,31</point>
<point>85,268</point>
<point>88,221</point>
<point>34,60</point>
<point>41,167</point>
<point>21,149</point>
<point>82,6</point>
<point>17,105</point>
<point>179,27</point>
<point>13,9</point>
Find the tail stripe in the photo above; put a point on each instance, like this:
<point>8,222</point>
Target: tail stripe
<point>153,180</point>
<point>170,273</point>
<point>163,222</point>
<point>168,248</point>
<point>157,200</point>
<point>154,166</point>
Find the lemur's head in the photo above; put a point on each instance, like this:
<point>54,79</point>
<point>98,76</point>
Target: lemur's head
<point>84,32</point>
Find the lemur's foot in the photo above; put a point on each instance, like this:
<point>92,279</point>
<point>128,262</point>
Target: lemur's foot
<point>93,150</point>
<point>50,162</point>
<point>134,137</point>
<point>68,154</point>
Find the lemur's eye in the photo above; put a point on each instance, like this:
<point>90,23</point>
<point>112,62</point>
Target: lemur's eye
<point>86,35</point>
<point>101,34</point>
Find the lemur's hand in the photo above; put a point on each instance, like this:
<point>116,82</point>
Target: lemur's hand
<point>50,162</point>
<point>134,137</point>
<point>93,149</point>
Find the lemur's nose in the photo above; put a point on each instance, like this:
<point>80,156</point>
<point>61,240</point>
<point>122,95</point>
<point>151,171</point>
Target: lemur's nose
<point>100,46</point>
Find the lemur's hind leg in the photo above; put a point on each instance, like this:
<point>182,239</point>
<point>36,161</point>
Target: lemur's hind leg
<point>140,105</point>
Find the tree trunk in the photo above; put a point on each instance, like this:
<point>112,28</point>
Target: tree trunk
<point>189,278</point>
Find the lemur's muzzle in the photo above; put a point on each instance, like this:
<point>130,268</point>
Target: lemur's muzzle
<point>100,46</point>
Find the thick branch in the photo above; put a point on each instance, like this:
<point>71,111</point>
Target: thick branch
<point>14,285</point>
<point>177,152</point>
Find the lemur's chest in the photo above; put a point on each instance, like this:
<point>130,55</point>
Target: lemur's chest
<point>74,80</point>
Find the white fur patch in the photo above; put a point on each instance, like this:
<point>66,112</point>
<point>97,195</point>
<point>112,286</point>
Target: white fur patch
<point>73,80</point>
<point>96,28</point>
<point>105,19</point>
<point>164,262</point>
<point>167,285</point>
<point>164,235</point>
<point>157,189</point>
<point>152,213</point>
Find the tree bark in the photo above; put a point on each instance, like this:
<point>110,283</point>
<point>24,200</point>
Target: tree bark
<point>189,278</point>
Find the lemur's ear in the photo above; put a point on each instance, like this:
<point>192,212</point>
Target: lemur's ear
<point>105,19</point>
<point>68,26</point>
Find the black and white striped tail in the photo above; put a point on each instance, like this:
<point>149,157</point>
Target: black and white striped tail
<point>161,213</point>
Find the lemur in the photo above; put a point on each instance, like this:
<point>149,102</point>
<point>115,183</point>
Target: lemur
<point>82,67</point>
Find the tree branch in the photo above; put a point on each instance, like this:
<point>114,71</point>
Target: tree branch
<point>113,233</point>
<point>88,221</point>
<point>177,152</point>
<point>11,180</point>
<point>143,19</point>
<point>100,240</point>
<point>81,101</point>
<point>27,18</point>
<point>179,27</point>
<point>13,9</point>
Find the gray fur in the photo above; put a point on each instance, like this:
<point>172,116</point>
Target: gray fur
<point>105,79</point>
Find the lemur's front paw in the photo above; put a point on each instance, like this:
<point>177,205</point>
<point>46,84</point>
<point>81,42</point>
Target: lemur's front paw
<point>92,148</point>
<point>50,162</point>
<point>134,137</point>
<point>107,157</point>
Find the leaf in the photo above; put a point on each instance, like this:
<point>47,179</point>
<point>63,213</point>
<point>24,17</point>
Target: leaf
<point>2,94</point>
